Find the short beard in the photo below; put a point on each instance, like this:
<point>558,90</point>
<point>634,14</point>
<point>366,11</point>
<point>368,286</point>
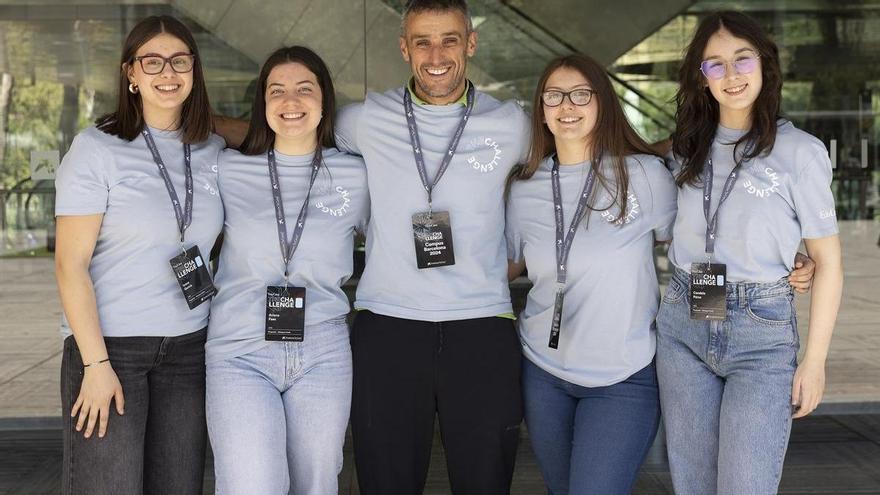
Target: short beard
<point>448,92</point>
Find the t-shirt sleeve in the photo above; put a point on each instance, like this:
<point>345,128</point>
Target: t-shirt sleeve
<point>82,184</point>
<point>813,200</point>
<point>363,208</point>
<point>511,231</point>
<point>664,201</point>
<point>346,128</point>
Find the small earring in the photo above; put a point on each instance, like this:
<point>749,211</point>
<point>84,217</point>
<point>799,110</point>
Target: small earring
<point>132,88</point>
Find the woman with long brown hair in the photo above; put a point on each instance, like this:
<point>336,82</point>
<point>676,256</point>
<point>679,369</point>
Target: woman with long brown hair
<point>751,187</point>
<point>278,354</point>
<point>584,214</point>
<point>137,208</point>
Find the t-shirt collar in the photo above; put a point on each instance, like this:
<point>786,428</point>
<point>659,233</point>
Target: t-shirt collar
<point>419,101</point>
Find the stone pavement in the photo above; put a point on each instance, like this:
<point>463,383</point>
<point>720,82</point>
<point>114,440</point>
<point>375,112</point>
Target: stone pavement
<point>30,346</point>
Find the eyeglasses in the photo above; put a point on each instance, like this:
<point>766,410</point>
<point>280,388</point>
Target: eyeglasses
<point>579,97</point>
<point>745,63</point>
<point>155,64</point>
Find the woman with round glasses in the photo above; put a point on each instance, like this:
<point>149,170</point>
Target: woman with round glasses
<point>137,213</point>
<point>751,187</point>
<point>583,214</point>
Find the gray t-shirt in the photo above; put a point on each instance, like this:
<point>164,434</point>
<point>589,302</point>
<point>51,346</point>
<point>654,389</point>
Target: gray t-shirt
<point>136,291</point>
<point>471,190</point>
<point>611,295</point>
<point>251,256</point>
<point>777,200</point>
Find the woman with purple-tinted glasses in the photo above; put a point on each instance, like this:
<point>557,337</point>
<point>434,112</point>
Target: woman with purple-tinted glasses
<point>751,187</point>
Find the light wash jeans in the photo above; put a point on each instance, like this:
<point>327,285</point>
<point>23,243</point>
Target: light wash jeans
<point>725,388</point>
<point>277,416</point>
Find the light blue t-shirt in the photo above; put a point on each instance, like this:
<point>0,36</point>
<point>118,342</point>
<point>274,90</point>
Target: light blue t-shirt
<point>777,200</point>
<point>611,294</point>
<point>136,291</point>
<point>471,190</point>
<point>250,259</point>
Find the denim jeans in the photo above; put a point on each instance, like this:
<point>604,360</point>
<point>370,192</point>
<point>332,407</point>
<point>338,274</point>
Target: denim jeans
<point>725,388</point>
<point>158,445</point>
<point>277,416</point>
<point>590,439</point>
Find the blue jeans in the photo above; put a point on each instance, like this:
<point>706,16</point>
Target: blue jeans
<point>590,440</point>
<point>725,388</point>
<point>277,416</point>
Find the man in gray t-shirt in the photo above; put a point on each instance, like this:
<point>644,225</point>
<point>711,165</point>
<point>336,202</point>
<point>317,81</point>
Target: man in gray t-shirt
<point>436,339</point>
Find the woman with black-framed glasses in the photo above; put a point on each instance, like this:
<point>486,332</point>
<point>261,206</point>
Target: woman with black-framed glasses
<point>583,214</point>
<point>138,212</point>
<point>751,187</point>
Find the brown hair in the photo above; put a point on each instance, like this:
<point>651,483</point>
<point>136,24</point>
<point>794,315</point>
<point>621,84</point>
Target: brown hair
<point>127,121</point>
<point>697,114</point>
<point>260,136</point>
<point>613,137</point>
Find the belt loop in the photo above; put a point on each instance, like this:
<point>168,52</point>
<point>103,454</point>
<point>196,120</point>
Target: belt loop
<point>741,294</point>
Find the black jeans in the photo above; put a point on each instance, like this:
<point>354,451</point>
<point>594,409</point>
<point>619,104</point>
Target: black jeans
<point>405,372</point>
<point>158,445</point>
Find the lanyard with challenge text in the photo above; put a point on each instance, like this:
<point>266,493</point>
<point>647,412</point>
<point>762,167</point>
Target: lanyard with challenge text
<point>189,267</point>
<point>285,304</point>
<point>432,230</point>
<point>708,289</point>
<point>564,242</point>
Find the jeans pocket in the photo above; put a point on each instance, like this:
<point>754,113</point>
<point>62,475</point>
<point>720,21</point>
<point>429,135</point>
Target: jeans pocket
<point>774,311</point>
<point>675,291</point>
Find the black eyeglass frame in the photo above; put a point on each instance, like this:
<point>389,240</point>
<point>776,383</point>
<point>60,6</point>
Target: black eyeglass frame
<point>567,94</point>
<point>166,61</point>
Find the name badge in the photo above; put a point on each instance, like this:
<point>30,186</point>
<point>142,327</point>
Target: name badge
<point>192,274</point>
<point>708,291</point>
<point>433,237</point>
<point>285,313</point>
<point>556,322</point>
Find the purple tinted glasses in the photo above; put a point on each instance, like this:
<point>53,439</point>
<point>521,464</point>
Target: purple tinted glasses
<point>745,63</point>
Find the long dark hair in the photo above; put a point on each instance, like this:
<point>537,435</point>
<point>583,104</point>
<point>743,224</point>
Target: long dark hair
<point>260,136</point>
<point>613,137</point>
<point>127,121</point>
<point>697,114</point>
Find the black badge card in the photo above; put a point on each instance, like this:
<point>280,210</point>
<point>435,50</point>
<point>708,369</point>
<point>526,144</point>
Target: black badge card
<point>433,238</point>
<point>285,313</point>
<point>193,276</point>
<point>708,291</point>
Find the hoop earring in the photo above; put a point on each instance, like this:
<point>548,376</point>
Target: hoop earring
<point>132,88</point>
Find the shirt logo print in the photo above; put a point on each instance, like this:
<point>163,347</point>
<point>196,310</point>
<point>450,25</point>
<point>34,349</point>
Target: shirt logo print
<point>343,206</point>
<point>755,188</point>
<point>483,148</point>
<point>632,212</point>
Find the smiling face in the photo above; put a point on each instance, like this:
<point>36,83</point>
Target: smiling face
<point>436,44</point>
<point>163,93</point>
<point>293,103</point>
<point>735,92</point>
<point>570,124</point>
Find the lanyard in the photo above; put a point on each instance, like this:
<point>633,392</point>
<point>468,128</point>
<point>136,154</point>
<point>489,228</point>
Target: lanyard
<point>184,217</point>
<point>289,247</point>
<point>417,147</point>
<point>712,223</point>
<point>563,242</point>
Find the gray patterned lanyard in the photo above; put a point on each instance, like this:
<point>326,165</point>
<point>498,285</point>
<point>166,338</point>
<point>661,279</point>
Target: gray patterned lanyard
<point>289,247</point>
<point>184,216</point>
